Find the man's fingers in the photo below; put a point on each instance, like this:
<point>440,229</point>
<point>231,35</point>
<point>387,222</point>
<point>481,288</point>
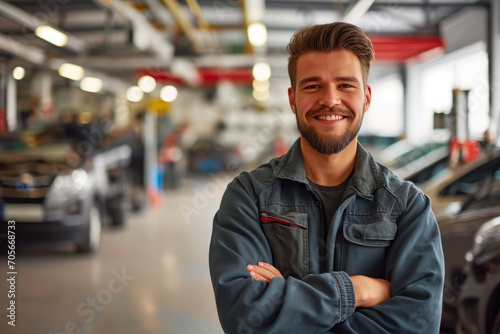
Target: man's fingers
<point>264,270</point>
<point>258,277</point>
<point>261,271</point>
<point>270,268</point>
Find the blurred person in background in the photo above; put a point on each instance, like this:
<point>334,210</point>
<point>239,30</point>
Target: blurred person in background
<point>324,239</point>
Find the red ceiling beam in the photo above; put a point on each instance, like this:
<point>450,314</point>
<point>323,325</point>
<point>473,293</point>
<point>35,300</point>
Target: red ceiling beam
<point>398,49</point>
<point>388,49</point>
<point>206,76</point>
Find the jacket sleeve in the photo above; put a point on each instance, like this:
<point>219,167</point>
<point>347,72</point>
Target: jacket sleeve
<point>313,304</point>
<point>415,267</point>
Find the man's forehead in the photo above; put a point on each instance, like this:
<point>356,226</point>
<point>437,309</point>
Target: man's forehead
<point>343,62</point>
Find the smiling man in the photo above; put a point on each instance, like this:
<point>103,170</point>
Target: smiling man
<point>324,239</point>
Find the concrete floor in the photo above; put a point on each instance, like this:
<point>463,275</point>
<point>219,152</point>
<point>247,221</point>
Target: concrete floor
<point>149,277</point>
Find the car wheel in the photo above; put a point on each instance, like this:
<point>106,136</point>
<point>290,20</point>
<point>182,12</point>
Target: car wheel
<point>92,233</point>
<point>496,324</point>
<point>116,211</point>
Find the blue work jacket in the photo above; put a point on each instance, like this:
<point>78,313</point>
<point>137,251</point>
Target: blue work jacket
<point>384,228</point>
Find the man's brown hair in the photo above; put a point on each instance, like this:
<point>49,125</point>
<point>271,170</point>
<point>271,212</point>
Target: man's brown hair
<point>330,37</point>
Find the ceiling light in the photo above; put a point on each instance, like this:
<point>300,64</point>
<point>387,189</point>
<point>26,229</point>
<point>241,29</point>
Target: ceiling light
<point>261,71</point>
<point>168,93</point>
<point>18,73</point>
<point>71,71</point>
<point>134,94</point>
<point>257,34</point>
<point>146,83</point>
<point>260,85</point>
<point>260,95</point>
<point>90,84</point>
<point>51,35</point>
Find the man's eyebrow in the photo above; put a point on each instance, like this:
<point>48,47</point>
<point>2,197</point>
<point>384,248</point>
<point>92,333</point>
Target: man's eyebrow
<point>316,79</point>
<point>308,80</point>
<point>347,79</point>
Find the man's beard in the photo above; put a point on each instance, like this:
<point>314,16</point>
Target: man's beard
<point>325,144</point>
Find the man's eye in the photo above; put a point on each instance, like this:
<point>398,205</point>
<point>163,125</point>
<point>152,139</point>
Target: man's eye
<point>312,86</point>
<point>346,86</point>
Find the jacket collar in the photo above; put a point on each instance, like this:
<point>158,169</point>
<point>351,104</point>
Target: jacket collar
<point>365,180</point>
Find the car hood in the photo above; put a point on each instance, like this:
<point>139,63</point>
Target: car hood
<point>47,160</point>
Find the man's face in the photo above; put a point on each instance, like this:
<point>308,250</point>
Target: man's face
<point>329,99</point>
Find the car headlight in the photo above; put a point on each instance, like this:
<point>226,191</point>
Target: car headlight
<point>70,182</point>
<point>487,234</point>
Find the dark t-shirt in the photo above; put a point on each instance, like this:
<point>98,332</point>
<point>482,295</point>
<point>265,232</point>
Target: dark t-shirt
<point>331,196</point>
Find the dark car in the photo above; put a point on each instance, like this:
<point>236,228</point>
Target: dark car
<point>48,198</point>
<point>479,300</point>
<point>57,188</point>
<point>207,156</point>
<point>452,186</point>
<point>426,167</point>
<point>403,154</point>
<point>458,231</point>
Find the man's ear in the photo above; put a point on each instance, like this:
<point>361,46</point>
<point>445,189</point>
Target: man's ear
<point>291,99</point>
<point>368,97</point>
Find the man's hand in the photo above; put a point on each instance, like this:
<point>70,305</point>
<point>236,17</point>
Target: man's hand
<point>263,272</point>
<point>370,291</point>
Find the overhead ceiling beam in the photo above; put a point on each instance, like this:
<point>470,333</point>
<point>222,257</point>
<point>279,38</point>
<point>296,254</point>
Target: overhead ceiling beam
<point>185,25</point>
<point>196,10</point>
<point>357,9</point>
<point>30,53</point>
<point>327,5</point>
<point>26,20</point>
<point>160,12</point>
<point>212,44</point>
<point>145,36</point>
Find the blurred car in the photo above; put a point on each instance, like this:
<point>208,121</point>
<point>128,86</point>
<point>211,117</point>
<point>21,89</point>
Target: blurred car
<point>458,232</point>
<point>404,153</point>
<point>452,186</point>
<point>479,300</point>
<point>206,156</point>
<point>56,191</point>
<point>426,167</point>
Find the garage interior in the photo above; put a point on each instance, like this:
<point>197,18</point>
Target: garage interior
<point>165,101</point>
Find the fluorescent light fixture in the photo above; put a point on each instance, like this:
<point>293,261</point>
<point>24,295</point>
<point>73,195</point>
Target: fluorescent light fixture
<point>51,35</point>
<point>261,71</point>
<point>134,94</point>
<point>168,93</point>
<point>90,84</point>
<point>18,73</point>
<point>356,11</point>
<point>71,71</point>
<point>257,34</point>
<point>146,83</point>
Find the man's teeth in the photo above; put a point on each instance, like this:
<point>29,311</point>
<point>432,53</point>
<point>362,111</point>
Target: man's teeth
<point>330,117</point>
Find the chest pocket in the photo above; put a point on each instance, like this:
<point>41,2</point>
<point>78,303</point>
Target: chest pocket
<point>379,233</point>
<point>288,239</point>
<point>366,245</point>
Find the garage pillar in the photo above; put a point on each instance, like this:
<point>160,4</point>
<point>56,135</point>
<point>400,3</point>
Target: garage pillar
<point>8,105</point>
<point>494,64</point>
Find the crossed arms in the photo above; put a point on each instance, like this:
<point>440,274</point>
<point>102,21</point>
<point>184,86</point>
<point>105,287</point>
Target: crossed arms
<point>368,291</point>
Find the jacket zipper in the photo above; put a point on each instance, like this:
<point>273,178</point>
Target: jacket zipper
<point>323,228</point>
<point>342,255</point>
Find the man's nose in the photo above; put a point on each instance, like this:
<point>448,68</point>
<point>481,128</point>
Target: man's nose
<point>330,97</point>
